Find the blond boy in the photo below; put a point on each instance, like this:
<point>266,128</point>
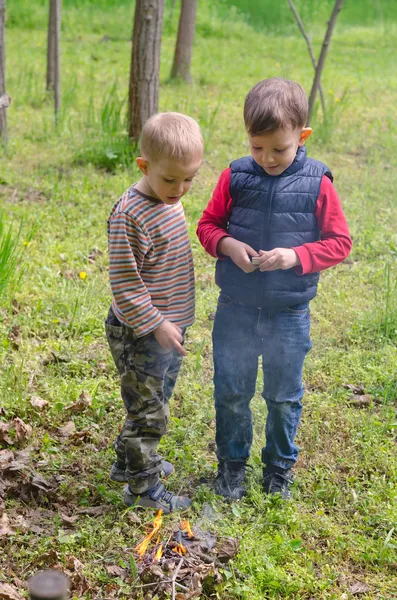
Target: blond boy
<point>152,281</point>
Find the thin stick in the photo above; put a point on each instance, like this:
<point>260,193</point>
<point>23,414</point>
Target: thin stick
<point>323,54</point>
<point>175,575</point>
<point>309,47</point>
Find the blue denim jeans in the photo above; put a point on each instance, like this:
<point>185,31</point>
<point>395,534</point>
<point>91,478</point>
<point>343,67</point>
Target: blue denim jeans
<point>282,337</point>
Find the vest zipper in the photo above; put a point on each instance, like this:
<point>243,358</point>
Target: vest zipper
<point>266,230</point>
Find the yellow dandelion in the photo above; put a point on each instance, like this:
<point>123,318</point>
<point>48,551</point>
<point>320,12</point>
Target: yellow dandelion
<point>330,92</point>
<point>337,99</point>
<point>83,275</point>
<point>26,243</point>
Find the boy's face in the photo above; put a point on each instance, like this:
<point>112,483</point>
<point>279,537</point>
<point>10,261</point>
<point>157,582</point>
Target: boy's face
<point>275,150</point>
<point>169,179</point>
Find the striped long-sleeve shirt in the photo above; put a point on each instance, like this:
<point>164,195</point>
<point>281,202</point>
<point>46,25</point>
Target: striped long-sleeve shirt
<point>150,263</point>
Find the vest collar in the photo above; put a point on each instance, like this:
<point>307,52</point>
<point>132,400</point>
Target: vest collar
<point>298,163</point>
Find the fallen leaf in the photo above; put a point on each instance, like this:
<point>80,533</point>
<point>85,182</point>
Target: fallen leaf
<point>6,458</point>
<point>9,592</point>
<point>359,400</point>
<point>359,588</point>
<point>74,563</point>
<point>55,358</point>
<point>67,429</point>
<point>5,527</point>
<point>94,511</point>
<point>40,483</point>
<point>228,549</point>
<point>38,402</point>
<point>69,520</point>
<point>83,402</point>
<point>4,430</point>
<point>356,389</point>
<point>69,275</point>
<point>116,571</point>
<point>22,430</point>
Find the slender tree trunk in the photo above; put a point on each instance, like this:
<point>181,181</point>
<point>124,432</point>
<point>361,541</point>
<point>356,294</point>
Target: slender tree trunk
<point>309,47</point>
<point>323,54</point>
<point>57,56</point>
<point>184,43</point>
<point>145,64</point>
<point>50,47</point>
<point>3,117</point>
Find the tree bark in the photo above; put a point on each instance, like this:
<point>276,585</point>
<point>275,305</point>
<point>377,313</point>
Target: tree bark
<point>57,55</point>
<point>3,117</point>
<point>309,47</point>
<point>184,43</point>
<point>323,54</point>
<point>50,47</point>
<point>145,64</point>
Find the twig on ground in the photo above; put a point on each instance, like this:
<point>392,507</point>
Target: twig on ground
<point>175,575</point>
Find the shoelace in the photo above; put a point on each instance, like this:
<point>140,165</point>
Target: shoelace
<point>277,481</point>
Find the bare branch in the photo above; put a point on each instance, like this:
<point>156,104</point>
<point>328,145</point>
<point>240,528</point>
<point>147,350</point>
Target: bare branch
<point>323,53</point>
<point>309,47</point>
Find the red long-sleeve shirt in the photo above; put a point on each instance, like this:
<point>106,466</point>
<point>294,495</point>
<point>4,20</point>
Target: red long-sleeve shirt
<point>333,247</point>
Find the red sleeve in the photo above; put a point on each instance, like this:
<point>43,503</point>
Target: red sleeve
<point>212,226</point>
<point>335,243</point>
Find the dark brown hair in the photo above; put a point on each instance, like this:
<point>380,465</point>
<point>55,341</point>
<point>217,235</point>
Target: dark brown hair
<point>274,103</point>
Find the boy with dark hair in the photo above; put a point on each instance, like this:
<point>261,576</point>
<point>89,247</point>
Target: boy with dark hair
<point>152,280</point>
<point>274,222</point>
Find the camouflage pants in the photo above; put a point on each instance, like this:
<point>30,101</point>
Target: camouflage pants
<point>148,375</point>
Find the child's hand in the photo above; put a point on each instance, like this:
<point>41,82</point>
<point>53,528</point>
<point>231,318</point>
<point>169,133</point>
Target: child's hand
<point>239,252</point>
<point>169,335</point>
<point>278,258</point>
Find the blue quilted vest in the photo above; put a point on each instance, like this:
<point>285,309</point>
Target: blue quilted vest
<point>272,212</point>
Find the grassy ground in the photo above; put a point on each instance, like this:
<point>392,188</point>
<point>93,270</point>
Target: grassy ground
<point>339,534</point>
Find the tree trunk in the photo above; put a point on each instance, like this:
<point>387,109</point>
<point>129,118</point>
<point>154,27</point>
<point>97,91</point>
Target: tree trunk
<point>145,63</point>
<point>50,48</point>
<point>3,117</point>
<point>184,43</point>
<point>57,55</point>
<point>323,54</point>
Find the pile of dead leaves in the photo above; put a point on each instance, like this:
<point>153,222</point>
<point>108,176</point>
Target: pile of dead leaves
<point>185,563</point>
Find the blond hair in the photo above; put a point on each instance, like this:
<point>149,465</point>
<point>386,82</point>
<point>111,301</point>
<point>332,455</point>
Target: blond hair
<point>171,135</point>
<point>274,103</point>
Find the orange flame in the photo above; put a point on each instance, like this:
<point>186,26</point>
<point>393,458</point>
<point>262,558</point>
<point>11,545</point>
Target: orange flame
<point>159,553</point>
<point>185,526</point>
<point>143,546</point>
<point>179,549</point>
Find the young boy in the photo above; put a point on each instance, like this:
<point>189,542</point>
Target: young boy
<point>274,221</point>
<point>152,281</point>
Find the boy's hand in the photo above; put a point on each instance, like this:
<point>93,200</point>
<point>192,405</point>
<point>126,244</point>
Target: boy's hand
<point>169,335</point>
<point>239,252</point>
<point>278,258</point>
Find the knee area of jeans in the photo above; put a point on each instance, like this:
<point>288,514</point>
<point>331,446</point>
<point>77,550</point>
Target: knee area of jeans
<point>284,406</point>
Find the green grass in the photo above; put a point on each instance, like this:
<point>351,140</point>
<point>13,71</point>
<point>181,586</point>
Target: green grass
<point>340,527</point>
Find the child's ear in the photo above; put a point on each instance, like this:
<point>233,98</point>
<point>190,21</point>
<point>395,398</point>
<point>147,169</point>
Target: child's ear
<point>306,132</point>
<point>142,165</point>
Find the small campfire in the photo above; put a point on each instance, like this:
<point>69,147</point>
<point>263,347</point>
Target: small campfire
<point>182,562</point>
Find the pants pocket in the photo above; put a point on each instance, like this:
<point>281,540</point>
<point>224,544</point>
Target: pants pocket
<point>114,336</point>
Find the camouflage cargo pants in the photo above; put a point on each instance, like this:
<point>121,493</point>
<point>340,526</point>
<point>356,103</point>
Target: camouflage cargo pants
<point>148,375</point>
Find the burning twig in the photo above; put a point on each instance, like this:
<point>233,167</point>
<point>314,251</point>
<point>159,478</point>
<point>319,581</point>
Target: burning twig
<point>185,527</point>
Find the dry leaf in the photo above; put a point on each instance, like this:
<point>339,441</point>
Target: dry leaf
<point>356,389</point>
<point>6,458</point>
<point>4,430</point>
<point>94,511</point>
<point>40,483</point>
<point>38,402</point>
<point>5,527</point>
<point>83,402</point>
<point>9,592</point>
<point>359,588</point>
<point>67,429</point>
<point>68,274</point>
<point>69,520</point>
<point>228,549</point>
<point>359,400</point>
<point>22,430</point>
<point>74,563</point>
<point>116,571</point>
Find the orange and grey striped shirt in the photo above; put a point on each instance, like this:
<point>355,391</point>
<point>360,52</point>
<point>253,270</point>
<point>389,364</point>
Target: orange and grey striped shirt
<point>150,263</point>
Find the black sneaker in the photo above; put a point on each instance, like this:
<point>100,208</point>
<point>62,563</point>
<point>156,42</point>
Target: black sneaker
<point>277,481</point>
<point>230,479</point>
<point>157,498</point>
<point>117,472</point>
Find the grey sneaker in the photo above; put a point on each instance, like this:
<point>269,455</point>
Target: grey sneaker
<point>117,473</point>
<point>157,498</point>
